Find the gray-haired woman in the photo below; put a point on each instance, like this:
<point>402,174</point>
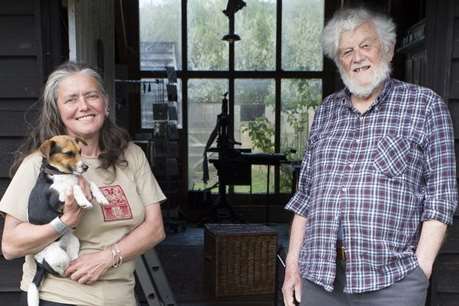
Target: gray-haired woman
<point>75,103</point>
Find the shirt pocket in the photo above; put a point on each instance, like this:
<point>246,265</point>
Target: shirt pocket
<point>391,155</point>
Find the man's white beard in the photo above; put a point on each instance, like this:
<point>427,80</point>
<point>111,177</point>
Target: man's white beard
<point>381,72</point>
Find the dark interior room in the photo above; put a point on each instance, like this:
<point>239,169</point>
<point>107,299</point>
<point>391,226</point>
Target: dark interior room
<point>220,95</point>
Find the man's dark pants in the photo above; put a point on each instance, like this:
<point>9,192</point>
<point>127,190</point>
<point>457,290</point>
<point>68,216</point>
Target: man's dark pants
<point>409,291</point>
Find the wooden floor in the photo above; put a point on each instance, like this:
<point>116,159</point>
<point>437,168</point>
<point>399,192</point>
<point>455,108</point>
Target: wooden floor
<point>182,258</point>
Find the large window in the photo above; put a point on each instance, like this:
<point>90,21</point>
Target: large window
<point>273,75</point>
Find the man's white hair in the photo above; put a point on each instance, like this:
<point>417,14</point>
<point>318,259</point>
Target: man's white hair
<point>349,19</point>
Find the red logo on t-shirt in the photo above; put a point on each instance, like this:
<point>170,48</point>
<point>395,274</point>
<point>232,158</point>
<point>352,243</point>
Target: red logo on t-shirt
<point>118,207</point>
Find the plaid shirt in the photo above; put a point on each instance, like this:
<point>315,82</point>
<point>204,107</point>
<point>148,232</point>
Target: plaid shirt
<point>378,175</point>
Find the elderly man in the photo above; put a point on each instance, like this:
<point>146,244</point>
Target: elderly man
<point>377,186</point>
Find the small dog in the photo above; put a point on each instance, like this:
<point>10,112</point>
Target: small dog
<point>59,173</point>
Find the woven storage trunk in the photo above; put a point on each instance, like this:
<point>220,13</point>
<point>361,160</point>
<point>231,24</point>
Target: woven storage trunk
<point>240,259</point>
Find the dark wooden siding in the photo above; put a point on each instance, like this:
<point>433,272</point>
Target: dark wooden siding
<point>20,81</point>
<point>20,74</point>
<point>442,42</point>
<point>26,54</point>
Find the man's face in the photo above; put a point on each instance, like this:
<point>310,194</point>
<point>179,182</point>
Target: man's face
<point>361,61</point>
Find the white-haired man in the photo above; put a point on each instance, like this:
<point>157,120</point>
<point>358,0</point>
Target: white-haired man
<point>377,186</point>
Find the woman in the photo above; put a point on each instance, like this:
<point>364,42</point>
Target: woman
<point>74,102</point>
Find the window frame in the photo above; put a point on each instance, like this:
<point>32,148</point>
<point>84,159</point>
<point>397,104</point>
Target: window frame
<point>326,75</point>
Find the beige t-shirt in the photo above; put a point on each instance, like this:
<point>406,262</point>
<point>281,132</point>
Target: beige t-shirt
<point>133,188</point>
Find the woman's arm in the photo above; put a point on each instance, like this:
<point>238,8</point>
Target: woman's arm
<point>145,236</point>
<point>88,268</point>
<point>22,238</point>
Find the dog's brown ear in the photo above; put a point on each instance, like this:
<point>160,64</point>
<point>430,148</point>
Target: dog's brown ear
<point>46,148</point>
<point>78,140</point>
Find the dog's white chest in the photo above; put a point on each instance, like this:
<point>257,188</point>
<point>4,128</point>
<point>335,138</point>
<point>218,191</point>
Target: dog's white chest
<point>68,183</point>
<point>63,183</point>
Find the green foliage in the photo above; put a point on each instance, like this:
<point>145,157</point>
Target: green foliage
<point>207,25</point>
<point>256,24</point>
<point>261,134</point>
<point>300,97</point>
<point>153,25</point>
<point>255,91</point>
<point>207,90</point>
<point>301,44</point>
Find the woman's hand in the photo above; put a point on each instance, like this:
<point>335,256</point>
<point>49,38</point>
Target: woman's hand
<point>88,268</point>
<point>72,212</point>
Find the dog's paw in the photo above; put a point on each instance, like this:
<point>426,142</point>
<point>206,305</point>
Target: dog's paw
<point>86,205</point>
<point>98,195</point>
<point>101,199</point>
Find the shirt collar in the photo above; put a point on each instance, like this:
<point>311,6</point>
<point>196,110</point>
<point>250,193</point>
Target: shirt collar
<point>344,95</point>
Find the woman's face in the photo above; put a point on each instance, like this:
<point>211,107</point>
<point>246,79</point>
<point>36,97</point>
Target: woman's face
<point>81,105</point>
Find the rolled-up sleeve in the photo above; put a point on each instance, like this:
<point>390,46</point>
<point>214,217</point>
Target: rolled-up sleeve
<point>441,187</point>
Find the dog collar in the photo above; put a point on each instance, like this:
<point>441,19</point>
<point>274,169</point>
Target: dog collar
<point>48,169</point>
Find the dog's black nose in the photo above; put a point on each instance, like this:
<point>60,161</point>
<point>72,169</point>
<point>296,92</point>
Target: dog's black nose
<point>85,167</point>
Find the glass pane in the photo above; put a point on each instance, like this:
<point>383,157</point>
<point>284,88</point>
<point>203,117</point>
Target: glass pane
<point>155,104</point>
<point>204,104</point>
<point>299,99</point>
<point>254,125</point>
<point>160,34</point>
<point>206,26</point>
<point>302,24</point>
<point>256,25</point>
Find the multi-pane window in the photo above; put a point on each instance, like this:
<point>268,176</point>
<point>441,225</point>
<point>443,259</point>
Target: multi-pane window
<point>273,74</point>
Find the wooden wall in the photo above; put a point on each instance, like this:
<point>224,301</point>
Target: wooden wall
<point>31,44</point>
<point>20,81</point>
<point>20,74</point>
<point>442,42</point>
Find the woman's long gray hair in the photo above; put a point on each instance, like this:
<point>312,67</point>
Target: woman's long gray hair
<point>113,140</point>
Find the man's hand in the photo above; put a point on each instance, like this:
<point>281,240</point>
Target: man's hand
<point>432,235</point>
<point>426,267</point>
<point>291,289</point>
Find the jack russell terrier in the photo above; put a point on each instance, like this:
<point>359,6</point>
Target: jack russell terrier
<point>61,166</point>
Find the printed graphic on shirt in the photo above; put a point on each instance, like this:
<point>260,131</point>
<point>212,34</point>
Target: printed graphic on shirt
<point>119,208</point>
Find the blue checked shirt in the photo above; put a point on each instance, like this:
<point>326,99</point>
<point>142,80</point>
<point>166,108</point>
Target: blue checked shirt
<point>378,175</point>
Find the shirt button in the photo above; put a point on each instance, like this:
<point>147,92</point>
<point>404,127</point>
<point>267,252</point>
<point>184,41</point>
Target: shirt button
<point>344,189</point>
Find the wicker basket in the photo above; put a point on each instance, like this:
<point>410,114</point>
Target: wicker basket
<point>240,259</point>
